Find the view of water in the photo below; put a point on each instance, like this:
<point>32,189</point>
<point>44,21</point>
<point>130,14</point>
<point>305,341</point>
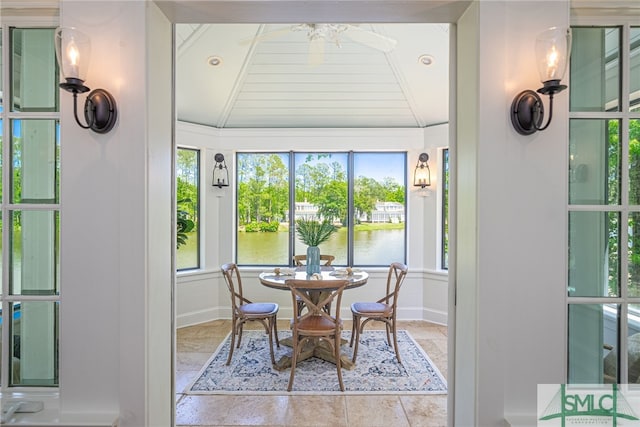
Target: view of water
<point>372,247</point>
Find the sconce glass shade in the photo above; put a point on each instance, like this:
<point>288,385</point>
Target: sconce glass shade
<point>220,172</point>
<point>553,47</point>
<point>552,51</point>
<point>422,174</point>
<point>73,51</point>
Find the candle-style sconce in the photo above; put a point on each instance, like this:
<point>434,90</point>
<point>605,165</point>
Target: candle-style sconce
<point>220,172</point>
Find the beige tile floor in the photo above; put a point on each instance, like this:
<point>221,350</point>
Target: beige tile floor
<point>195,344</point>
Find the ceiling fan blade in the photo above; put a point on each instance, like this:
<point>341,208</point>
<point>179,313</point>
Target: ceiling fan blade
<point>316,51</point>
<point>371,39</point>
<point>263,36</point>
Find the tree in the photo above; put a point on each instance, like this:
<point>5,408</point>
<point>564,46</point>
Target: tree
<point>184,224</point>
<point>332,201</point>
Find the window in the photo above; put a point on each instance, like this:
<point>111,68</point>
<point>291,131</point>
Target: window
<point>604,205</point>
<point>30,208</point>
<point>444,242</point>
<point>188,201</point>
<point>362,193</point>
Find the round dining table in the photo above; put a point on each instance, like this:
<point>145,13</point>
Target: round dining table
<point>276,279</point>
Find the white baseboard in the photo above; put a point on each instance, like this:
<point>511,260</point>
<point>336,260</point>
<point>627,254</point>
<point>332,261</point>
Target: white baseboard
<point>521,420</point>
<point>203,316</point>
<point>198,317</point>
<point>435,316</point>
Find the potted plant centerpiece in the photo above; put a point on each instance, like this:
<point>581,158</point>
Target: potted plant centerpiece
<point>312,233</point>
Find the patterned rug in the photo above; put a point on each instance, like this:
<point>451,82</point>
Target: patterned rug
<point>376,369</point>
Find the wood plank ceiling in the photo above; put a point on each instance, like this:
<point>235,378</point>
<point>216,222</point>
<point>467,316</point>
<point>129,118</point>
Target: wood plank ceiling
<point>270,76</point>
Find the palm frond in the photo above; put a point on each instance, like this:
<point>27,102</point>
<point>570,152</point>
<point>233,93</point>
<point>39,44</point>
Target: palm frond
<point>312,232</point>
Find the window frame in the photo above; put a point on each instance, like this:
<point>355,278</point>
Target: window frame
<point>443,212</point>
<point>198,209</point>
<point>350,204</point>
<point>7,116</point>
<point>623,115</point>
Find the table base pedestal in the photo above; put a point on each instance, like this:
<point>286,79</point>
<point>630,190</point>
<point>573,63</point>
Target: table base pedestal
<point>314,348</point>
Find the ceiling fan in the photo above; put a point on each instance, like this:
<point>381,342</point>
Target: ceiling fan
<point>320,34</point>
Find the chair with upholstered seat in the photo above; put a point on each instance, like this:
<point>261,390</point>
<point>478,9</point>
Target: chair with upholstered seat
<point>244,310</point>
<point>316,324</point>
<point>383,310</point>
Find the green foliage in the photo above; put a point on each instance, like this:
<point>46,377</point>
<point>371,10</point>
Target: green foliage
<point>262,226</point>
<point>252,227</point>
<point>264,188</point>
<point>187,173</point>
<point>312,232</point>
<point>332,201</point>
<point>184,223</point>
<point>613,197</point>
<point>269,227</point>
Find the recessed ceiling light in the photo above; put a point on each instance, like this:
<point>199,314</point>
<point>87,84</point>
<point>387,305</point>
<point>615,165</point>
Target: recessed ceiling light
<point>214,61</point>
<point>425,60</point>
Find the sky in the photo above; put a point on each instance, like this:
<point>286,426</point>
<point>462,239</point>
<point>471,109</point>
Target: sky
<point>378,165</point>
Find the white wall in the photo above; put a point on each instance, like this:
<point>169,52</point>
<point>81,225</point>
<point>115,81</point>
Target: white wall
<point>511,247</point>
<point>115,316</point>
<point>202,295</point>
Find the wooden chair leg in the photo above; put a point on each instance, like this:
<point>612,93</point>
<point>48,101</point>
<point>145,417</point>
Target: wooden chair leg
<point>268,328</point>
<point>336,346</point>
<point>275,331</point>
<point>294,361</point>
<point>354,322</point>
<point>240,330</point>
<point>387,328</point>
<point>233,339</point>
<point>395,342</point>
<point>359,328</point>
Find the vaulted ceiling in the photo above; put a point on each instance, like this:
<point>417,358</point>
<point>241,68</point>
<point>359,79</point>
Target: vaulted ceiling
<point>283,75</point>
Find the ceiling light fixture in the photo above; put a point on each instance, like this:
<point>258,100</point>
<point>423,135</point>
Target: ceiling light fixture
<point>214,61</point>
<point>553,47</point>
<point>322,31</point>
<point>425,60</point>
<point>73,50</point>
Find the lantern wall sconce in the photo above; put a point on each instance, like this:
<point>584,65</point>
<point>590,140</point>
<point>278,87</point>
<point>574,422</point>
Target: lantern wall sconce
<point>553,47</point>
<point>422,173</point>
<point>73,51</point>
<point>220,172</point>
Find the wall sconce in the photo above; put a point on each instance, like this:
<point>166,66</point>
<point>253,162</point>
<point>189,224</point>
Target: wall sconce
<point>73,51</point>
<point>220,172</point>
<point>422,174</point>
<point>553,47</point>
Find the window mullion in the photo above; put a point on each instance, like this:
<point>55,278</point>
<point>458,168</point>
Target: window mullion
<point>4,371</point>
<point>350,209</point>
<point>624,138</point>
<point>625,70</point>
<point>292,206</point>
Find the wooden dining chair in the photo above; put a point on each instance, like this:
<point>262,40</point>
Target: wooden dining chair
<point>316,324</point>
<point>244,310</point>
<point>299,260</point>
<point>383,310</point>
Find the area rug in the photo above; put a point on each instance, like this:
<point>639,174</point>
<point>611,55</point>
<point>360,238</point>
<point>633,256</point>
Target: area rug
<point>376,370</point>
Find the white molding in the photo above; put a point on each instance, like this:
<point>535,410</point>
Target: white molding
<point>434,316</point>
<point>521,420</point>
<point>201,316</point>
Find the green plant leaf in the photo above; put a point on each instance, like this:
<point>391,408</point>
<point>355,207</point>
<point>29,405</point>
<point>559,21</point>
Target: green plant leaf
<point>312,232</point>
